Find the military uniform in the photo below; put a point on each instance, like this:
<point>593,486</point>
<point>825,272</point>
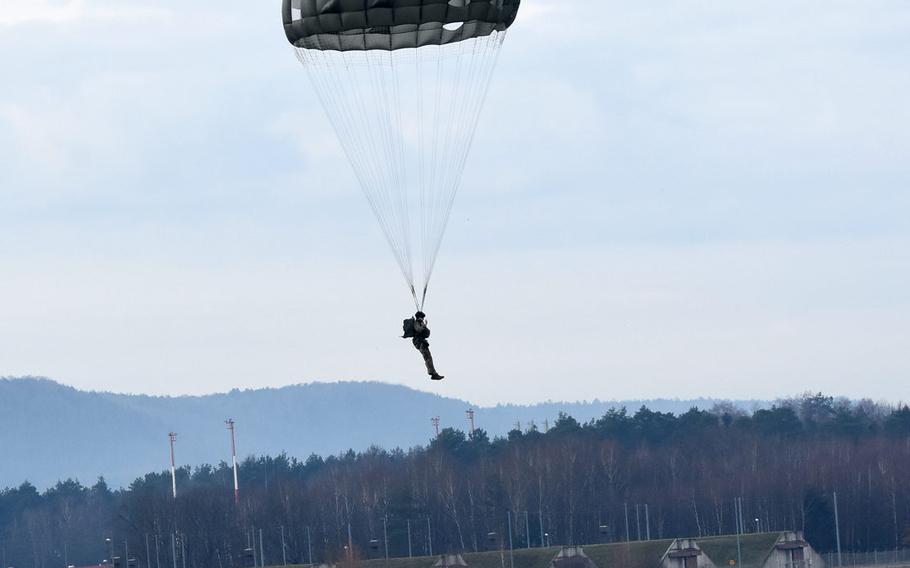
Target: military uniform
<point>421,333</point>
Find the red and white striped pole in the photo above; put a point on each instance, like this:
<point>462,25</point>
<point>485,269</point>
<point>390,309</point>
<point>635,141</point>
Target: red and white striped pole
<point>173,438</point>
<point>230,426</point>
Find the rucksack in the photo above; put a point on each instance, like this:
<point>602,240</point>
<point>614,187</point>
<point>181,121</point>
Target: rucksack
<point>411,331</point>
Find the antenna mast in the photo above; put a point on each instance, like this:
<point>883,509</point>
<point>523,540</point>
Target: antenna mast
<point>173,438</point>
<point>435,421</point>
<point>230,426</point>
<point>470,413</point>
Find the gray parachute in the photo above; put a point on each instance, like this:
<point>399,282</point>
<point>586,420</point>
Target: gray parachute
<point>403,83</point>
<point>350,25</point>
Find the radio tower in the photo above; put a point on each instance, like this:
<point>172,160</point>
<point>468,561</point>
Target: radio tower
<point>230,426</point>
<point>435,421</point>
<point>470,413</point>
<point>173,437</point>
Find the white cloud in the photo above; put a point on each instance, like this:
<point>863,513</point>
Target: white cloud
<point>759,319</point>
<point>15,12</point>
<point>72,141</point>
<point>176,208</point>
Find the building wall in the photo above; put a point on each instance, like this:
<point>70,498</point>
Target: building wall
<point>702,560</point>
<point>783,558</point>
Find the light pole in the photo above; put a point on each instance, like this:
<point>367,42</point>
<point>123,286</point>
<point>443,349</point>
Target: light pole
<point>230,426</point>
<point>385,537</point>
<point>511,550</point>
<point>647,523</point>
<point>172,436</point>
<point>540,518</point>
<point>528,529</point>
<point>625,510</point>
<point>309,547</point>
<point>837,530</point>
<point>738,512</point>
<point>410,550</point>
<point>110,543</point>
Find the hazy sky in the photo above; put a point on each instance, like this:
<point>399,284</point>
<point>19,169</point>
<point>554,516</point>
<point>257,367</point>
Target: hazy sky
<point>665,198</point>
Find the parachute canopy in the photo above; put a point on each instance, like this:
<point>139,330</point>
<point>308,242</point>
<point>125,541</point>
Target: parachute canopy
<point>403,83</point>
<point>358,25</point>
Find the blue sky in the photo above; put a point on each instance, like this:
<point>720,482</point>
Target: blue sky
<point>664,199</point>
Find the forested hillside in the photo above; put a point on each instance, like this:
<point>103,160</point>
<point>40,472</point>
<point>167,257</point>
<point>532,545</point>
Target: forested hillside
<point>625,475</point>
<point>58,432</point>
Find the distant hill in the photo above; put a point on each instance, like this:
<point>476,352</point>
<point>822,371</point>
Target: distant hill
<point>52,431</point>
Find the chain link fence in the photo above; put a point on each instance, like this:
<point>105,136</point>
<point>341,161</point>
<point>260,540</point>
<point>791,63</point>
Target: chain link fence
<point>896,557</point>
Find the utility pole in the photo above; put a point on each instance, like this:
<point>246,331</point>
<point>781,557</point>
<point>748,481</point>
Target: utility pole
<point>435,421</point>
<point>540,516</point>
<point>251,538</point>
<point>262,550</point>
<point>647,523</point>
<point>230,426</point>
<point>385,536</point>
<point>470,413</point>
<point>410,550</point>
<point>737,505</point>
<point>637,523</point>
<point>511,551</point>
<point>309,547</point>
<point>837,530</point>
<point>625,508</point>
<point>528,529</point>
<point>172,436</point>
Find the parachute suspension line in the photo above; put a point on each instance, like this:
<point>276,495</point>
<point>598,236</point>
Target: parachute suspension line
<point>379,127</point>
<point>457,120</point>
<point>421,167</point>
<point>440,167</point>
<point>395,104</point>
<point>381,82</point>
<point>379,103</point>
<point>431,189</point>
<point>473,96</point>
<point>327,71</point>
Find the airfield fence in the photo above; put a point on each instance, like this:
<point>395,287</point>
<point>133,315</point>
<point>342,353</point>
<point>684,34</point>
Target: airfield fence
<point>895,557</point>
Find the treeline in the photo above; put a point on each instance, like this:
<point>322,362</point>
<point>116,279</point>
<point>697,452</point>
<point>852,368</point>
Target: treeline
<point>622,476</point>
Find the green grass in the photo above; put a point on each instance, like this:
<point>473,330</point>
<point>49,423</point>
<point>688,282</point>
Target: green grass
<point>645,554</point>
